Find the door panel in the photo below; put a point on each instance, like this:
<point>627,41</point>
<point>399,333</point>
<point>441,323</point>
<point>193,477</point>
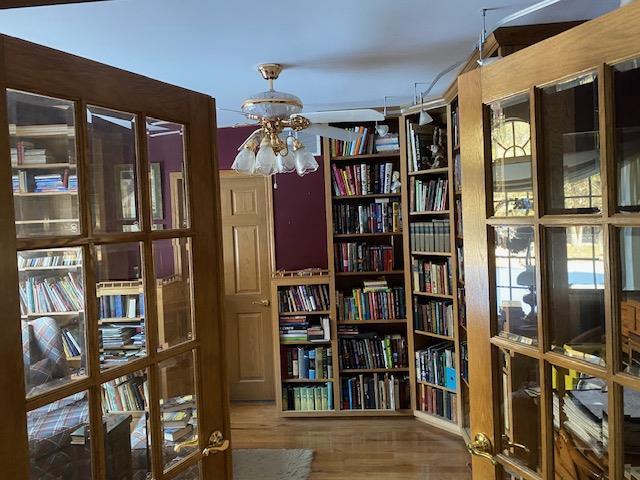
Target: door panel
<point>247,252</point>
<point>113,387</point>
<point>551,290</point>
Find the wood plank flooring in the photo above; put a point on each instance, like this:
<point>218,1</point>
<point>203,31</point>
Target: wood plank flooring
<point>355,448</point>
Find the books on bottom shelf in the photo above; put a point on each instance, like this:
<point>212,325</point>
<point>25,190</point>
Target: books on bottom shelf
<point>375,392</point>
<point>307,398</point>
<point>301,329</point>
<point>307,363</point>
<point>437,402</point>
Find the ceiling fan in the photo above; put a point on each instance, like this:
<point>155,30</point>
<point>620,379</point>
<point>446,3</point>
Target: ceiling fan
<point>273,147</point>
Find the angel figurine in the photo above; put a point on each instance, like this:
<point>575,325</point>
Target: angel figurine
<point>395,182</point>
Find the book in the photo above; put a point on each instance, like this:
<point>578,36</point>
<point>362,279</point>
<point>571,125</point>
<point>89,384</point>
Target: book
<point>434,317</point>
<point>363,179</point>
<point>307,363</point>
<point>363,257</point>
<point>308,398</point>
<point>375,392</point>
<point>437,402</point>
<point>303,298</point>
<point>176,419</point>
<point>428,195</point>
<point>432,276</point>
<point>430,237</point>
<point>436,364</point>
<point>368,350</point>
<point>376,301</point>
<point>175,434</point>
<point>379,216</point>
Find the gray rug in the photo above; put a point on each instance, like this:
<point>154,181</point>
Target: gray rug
<point>272,464</point>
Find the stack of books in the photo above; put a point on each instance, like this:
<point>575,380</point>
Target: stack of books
<point>432,277</point>
<point>177,415</point>
<point>25,154</point>
<point>438,402</point>
<point>121,306</point>
<point>428,195</point>
<point>51,294</point>
<point>308,398</point>
<point>52,182</point>
<point>375,392</point>
<point>368,350</point>
<point>436,365</point>
<point>362,257</point>
<point>388,143</point>
<point>378,217</point>
<point>298,329</point>
<point>433,236</point>
<point>434,317</point>
<point>299,298</point>
<point>125,394</point>
<point>362,146</point>
<point>116,336</point>
<point>72,184</point>
<point>364,179</point>
<point>376,301</point>
<point>305,363</point>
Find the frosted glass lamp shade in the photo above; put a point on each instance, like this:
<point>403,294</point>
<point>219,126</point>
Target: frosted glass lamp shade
<point>286,163</point>
<point>265,160</point>
<point>245,161</point>
<point>305,162</point>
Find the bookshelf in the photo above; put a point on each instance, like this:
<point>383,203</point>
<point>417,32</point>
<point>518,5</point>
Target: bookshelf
<point>432,248</point>
<point>367,271</point>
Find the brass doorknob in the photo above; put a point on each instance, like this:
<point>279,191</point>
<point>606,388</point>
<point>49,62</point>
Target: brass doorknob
<point>481,447</point>
<point>265,302</point>
<point>217,443</point>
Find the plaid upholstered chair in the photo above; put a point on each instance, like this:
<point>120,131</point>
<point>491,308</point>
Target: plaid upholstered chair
<point>50,428</point>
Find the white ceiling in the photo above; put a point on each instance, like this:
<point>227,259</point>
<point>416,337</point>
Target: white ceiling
<point>339,53</point>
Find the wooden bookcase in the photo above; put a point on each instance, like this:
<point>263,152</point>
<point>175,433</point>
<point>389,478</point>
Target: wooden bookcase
<point>448,252</point>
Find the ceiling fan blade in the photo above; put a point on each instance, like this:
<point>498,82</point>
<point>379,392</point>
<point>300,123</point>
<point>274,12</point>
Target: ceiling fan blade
<point>332,132</point>
<point>253,136</point>
<point>336,116</point>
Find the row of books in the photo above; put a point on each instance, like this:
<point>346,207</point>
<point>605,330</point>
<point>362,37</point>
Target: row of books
<point>455,127</point>
<point>438,402</point>
<point>434,317</point>
<point>460,252</point>
<point>364,179</point>
<point>432,277</point>
<point>70,344</point>
<point>433,236</point>
<point>51,294</point>
<point>458,217</point>
<point>307,363</point>
<point>462,307</point>
<point>379,302</point>
<point>308,398</point>
<point>363,257</point>
<point>457,173</point>
<point>300,329</point>
<point>464,360</point>
<point>368,350</point>
<point>377,217</point>
<point>24,153</point>
<point>121,306</point>
<point>128,393</point>
<point>298,298</point>
<point>428,195</point>
<point>375,392</point>
<point>436,365</point>
<point>67,258</point>
<point>419,141</point>
<point>174,411</point>
<point>364,145</point>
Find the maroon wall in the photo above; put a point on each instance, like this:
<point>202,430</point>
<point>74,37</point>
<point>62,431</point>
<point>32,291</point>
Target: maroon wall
<point>298,209</point>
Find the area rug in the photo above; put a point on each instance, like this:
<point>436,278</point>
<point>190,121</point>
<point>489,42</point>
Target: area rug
<point>272,464</point>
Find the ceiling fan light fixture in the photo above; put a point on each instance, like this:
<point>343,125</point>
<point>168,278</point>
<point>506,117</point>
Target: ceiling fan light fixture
<point>265,159</point>
<point>286,163</point>
<point>245,160</point>
<point>305,161</point>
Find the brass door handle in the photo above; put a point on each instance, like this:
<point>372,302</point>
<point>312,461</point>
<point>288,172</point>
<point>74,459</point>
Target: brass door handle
<point>509,444</point>
<point>217,443</point>
<point>265,302</point>
<point>481,447</point>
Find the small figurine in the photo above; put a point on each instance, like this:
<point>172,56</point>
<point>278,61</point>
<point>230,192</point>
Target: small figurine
<point>395,182</point>
<point>437,150</point>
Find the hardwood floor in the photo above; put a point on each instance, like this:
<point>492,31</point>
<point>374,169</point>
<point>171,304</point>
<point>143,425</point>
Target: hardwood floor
<point>355,449</point>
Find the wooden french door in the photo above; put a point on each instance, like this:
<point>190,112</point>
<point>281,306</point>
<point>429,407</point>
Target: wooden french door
<point>112,341</point>
<point>550,168</point>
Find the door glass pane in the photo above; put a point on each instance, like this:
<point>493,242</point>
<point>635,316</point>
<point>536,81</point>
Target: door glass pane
<point>43,161</point>
<point>191,473</point>
<point>631,434</point>
<point>125,416</point>
<point>629,298</point>
<point>178,407</point>
<point>626,78</point>
<point>570,146</point>
<point>515,279</point>
<point>511,157</point>
<point>520,409</point>
<point>576,291</point>
<point>52,311</point>
<point>167,176</point>
<point>120,296</point>
<point>59,439</point>
<point>172,265</point>
<point>113,196</point>
<point>580,425</point>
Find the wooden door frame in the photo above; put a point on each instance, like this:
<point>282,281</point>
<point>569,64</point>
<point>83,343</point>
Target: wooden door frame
<point>37,69</point>
<point>591,46</point>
